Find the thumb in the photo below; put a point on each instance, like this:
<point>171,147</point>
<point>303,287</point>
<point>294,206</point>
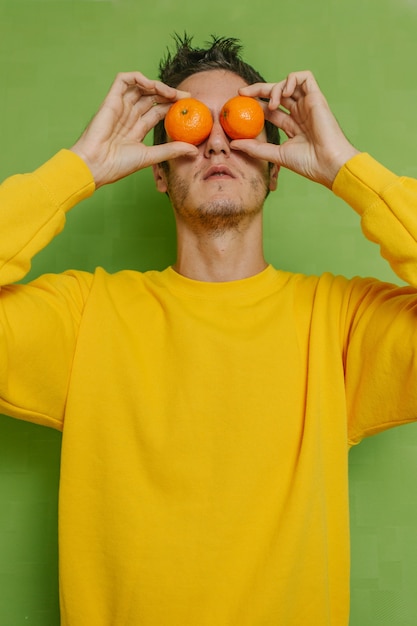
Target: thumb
<point>172,150</point>
<point>258,150</point>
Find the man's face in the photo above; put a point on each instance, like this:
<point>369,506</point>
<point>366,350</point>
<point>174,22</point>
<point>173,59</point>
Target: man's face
<point>219,187</point>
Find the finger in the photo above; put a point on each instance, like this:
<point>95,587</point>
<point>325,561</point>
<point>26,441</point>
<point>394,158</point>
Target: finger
<point>162,92</point>
<point>132,95</point>
<point>257,149</point>
<point>161,89</point>
<point>300,83</point>
<point>149,86</point>
<point>288,103</point>
<point>269,91</point>
<point>284,121</point>
<point>142,116</point>
<point>182,94</point>
<point>257,90</point>
<point>139,117</point>
<point>148,120</point>
<point>126,80</point>
<point>150,101</point>
<point>147,103</point>
<point>138,84</point>
<point>173,150</point>
<point>295,85</point>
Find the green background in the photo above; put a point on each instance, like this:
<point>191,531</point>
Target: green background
<point>58,59</point>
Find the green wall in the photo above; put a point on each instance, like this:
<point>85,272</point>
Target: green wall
<point>57,60</point>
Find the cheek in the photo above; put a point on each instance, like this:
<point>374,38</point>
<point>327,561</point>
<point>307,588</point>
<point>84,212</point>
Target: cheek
<point>260,185</point>
<point>259,179</point>
<point>186,168</point>
<point>260,171</point>
<point>177,188</point>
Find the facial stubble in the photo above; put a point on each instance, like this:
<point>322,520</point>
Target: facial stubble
<point>217,216</point>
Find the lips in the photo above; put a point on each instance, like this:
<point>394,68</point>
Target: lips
<point>218,171</point>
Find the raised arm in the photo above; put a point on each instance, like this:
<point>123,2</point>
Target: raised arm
<point>39,322</point>
<point>316,146</point>
<point>33,206</point>
<point>112,145</point>
<point>318,149</point>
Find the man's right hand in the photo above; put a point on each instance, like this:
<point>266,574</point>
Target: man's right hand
<point>112,144</point>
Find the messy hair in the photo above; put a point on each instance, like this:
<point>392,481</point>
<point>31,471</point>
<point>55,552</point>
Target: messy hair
<point>221,53</point>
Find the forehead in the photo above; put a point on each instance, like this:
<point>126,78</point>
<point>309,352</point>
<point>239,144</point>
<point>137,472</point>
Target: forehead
<point>213,86</point>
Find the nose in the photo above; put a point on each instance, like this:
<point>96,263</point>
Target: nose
<point>217,142</point>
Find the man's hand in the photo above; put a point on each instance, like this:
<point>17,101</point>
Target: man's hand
<point>316,147</point>
<point>112,144</point>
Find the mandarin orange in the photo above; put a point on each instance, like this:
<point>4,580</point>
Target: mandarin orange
<point>188,120</point>
<point>242,118</point>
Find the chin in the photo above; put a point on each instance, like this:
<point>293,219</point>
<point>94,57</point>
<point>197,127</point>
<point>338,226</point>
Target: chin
<point>221,215</point>
<point>222,205</point>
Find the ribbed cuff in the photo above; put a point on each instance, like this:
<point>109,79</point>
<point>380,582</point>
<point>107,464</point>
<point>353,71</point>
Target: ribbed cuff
<point>67,178</point>
<point>362,181</point>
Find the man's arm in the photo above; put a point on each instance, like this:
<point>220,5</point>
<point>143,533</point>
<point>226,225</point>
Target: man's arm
<point>387,205</point>
<point>379,321</point>
<point>316,146</point>
<point>33,206</point>
<point>39,322</point>
<point>317,149</point>
<point>112,145</point>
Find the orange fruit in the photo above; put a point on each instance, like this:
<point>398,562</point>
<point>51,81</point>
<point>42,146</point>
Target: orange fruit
<point>188,120</point>
<point>242,118</point>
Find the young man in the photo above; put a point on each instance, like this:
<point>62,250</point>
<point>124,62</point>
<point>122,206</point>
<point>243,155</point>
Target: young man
<point>207,410</point>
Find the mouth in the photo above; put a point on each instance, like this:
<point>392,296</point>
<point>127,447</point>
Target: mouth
<point>218,172</point>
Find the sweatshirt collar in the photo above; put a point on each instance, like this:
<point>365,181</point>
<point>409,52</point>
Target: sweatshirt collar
<point>266,281</point>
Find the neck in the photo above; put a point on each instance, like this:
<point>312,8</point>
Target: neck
<point>231,254</point>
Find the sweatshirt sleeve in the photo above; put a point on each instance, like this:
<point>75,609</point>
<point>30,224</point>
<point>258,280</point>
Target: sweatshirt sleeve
<point>39,321</point>
<point>33,208</point>
<point>381,347</point>
<point>387,204</point>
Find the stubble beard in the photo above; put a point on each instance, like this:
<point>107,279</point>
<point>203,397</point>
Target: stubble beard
<point>220,215</point>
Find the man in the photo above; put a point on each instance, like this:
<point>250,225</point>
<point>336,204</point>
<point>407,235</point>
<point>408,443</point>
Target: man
<point>207,410</point>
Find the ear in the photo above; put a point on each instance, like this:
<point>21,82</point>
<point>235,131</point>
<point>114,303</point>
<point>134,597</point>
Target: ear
<point>273,176</point>
<point>160,178</point>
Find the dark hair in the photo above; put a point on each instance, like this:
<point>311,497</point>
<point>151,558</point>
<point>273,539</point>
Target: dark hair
<point>221,53</point>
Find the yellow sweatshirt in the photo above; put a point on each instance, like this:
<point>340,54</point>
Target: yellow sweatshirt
<point>206,426</point>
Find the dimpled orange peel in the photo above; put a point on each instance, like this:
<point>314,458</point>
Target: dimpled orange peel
<point>188,120</point>
<point>242,118</point>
